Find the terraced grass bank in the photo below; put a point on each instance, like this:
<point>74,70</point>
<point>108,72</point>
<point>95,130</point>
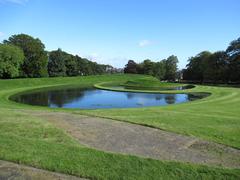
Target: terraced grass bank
<point>216,117</point>
<point>149,83</point>
<point>34,141</point>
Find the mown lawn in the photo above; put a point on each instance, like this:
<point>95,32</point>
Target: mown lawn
<point>149,82</point>
<point>34,141</point>
<point>215,118</point>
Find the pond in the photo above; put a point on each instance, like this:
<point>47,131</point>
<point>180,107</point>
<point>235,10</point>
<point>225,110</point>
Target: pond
<point>100,99</point>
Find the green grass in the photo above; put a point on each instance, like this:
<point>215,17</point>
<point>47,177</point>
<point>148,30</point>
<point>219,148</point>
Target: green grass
<point>34,141</point>
<point>215,118</point>
<point>149,82</point>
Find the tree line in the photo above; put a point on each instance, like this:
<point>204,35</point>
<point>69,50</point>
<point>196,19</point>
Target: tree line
<point>165,69</point>
<point>24,56</point>
<point>217,67</point>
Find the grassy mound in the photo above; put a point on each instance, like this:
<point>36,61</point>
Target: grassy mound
<point>149,82</point>
<point>34,141</point>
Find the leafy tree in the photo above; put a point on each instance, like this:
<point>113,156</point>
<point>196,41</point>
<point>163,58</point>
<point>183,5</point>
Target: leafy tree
<point>11,58</point>
<point>221,66</point>
<point>131,67</point>
<point>215,69</point>
<point>56,63</point>
<point>148,66</point>
<point>171,68</point>
<point>196,66</point>
<point>207,67</point>
<point>71,65</point>
<point>35,62</point>
<point>81,64</point>
<point>233,52</point>
<point>85,67</point>
<point>163,70</point>
<point>140,68</point>
<point>234,69</point>
<point>98,68</point>
<point>234,48</point>
<point>159,70</point>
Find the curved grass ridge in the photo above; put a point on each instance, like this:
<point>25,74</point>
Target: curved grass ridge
<point>149,82</point>
<point>112,86</point>
<point>211,118</point>
<point>36,142</point>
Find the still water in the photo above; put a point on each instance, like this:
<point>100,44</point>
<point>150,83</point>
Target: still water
<point>100,99</point>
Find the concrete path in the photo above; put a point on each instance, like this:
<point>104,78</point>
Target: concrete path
<point>126,138</point>
<point>12,171</point>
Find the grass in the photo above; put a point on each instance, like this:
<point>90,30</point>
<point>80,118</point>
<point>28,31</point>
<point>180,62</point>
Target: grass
<point>36,142</point>
<point>149,83</point>
<point>215,118</point>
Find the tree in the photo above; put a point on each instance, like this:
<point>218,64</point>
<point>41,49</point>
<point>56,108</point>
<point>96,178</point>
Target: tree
<point>131,67</point>
<point>148,66</point>
<point>140,68</point>
<point>11,58</point>
<point>71,65</point>
<point>56,63</point>
<point>98,68</point>
<point>159,70</point>
<point>171,68</point>
<point>85,67</point>
<point>196,67</point>
<point>216,66</point>
<point>36,60</point>
<point>233,52</point>
<point>234,48</point>
<point>81,64</point>
<point>221,66</point>
<point>163,70</point>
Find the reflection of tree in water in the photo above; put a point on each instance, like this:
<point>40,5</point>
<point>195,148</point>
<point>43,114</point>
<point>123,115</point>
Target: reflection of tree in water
<point>170,99</point>
<point>158,97</point>
<point>196,96</point>
<point>54,97</point>
<point>64,96</point>
<point>40,99</point>
<point>144,95</point>
<point>130,95</point>
<point>59,98</point>
<point>192,97</point>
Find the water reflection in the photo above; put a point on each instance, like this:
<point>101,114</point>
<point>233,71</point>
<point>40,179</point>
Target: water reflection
<point>96,99</point>
<point>170,99</point>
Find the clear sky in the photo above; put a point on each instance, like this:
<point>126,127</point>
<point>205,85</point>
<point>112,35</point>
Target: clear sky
<point>113,31</point>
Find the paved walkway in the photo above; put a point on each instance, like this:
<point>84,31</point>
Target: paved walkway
<point>126,138</point>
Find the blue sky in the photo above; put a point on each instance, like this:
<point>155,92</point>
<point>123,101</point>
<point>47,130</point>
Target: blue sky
<point>113,31</point>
